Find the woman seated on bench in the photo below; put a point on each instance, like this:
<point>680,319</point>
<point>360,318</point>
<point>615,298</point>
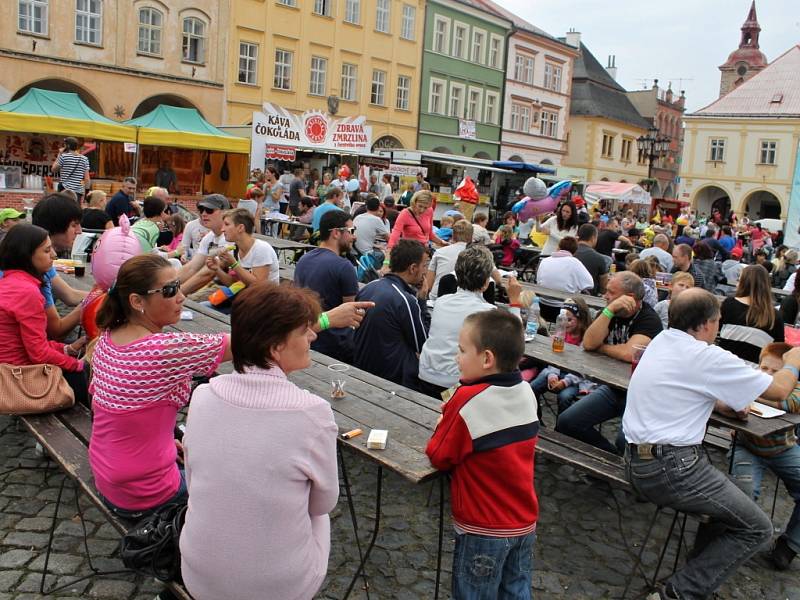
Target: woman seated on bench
<point>141,377</point>
<point>26,254</point>
<point>260,460</point>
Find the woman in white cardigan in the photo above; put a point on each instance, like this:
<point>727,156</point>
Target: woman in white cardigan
<point>260,457</point>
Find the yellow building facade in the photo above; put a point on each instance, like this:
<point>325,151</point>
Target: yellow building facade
<point>603,150</point>
<point>358,57</point>
<point>122,57</point>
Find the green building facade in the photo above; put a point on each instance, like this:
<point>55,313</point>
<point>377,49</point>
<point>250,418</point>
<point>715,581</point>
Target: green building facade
<point>462,84</point>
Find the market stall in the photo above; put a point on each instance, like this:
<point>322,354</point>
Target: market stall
<point>617,196</point>
<point>505,187</point>
<point>32,130</point>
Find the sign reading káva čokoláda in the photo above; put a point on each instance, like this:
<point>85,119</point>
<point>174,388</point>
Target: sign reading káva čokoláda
<point>312,129</point>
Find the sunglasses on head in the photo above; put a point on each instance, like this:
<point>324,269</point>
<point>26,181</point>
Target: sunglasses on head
<point>205,209</point>
<point>170,290</point>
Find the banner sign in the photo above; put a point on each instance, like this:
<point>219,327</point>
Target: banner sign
<point>407,171</point>
<point>312,129</point>
<point>466,129</point>
<point>375,163</point>
<point>128,147</point>
<point>286,153</point>
<point>34,153</point>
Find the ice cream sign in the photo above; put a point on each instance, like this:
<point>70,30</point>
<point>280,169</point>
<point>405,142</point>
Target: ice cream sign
<point>312,129</point>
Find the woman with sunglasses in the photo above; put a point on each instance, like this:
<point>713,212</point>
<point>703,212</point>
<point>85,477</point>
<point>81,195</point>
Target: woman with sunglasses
<point>141,377</point>
<point>26,254</point>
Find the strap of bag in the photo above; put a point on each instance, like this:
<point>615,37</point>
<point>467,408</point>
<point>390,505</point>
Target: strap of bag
<point>411,212</point>
<point>74,168</point>
<point>16,372</point>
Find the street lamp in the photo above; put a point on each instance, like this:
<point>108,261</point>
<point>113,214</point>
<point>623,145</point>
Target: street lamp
<point>652,146</point>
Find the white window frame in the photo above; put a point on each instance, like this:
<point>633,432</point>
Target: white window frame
<point>716,148</point>
<point>377,90</point>
<point>283,69</point>
<point>250,61</point>
<point>458,26</point>
<point>292,3</point>
<point>769,149</point>
<point>349,89</point>
<point>477,53</point>
<point>323,8</point>
<point>520,117</point>
<point>151,41</point>
<point>524,65</point>
<point>403,101</point>
<point>352,11</point>
<point>27,23</point>
<point>493,106</point>
<point>548,123</point>
<point>193,35</point>
<point>445,38</point>
<point>409,23</point>
<point>317,81</point>
<point>607,150</point>
<point>383,16</point>
<point>88,22</point>
<point>474,113</point>
<point>625,149</point>
<point>552,76</point>
<point>461,100</point>
<point>496,61</point>
<point>441,97</point>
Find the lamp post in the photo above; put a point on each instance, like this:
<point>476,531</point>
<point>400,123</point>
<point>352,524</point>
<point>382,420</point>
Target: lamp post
<point>652,146</point>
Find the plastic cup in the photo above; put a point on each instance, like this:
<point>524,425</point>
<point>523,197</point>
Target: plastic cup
<point>638,351</point>
<point>337,381</point>
<point>79,259</point>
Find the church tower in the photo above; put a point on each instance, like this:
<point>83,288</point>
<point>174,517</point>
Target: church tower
<point>745,61</point>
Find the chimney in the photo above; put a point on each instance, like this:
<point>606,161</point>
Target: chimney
<point>611,69</point>
<point>574,38</point>
<point>655,85</point>
<point>682,99</point>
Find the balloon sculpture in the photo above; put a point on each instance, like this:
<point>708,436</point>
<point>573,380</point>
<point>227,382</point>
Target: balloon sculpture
<point>539,199</point>
<point>114,248</point>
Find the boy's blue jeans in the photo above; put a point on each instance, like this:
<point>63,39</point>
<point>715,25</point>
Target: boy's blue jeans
<point>566,397</point>
<point>492,568</point>
<point>748,471</point>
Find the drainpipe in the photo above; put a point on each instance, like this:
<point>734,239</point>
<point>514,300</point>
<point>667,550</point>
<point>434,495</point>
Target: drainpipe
<point>421,72</point>
<point>501,115</point>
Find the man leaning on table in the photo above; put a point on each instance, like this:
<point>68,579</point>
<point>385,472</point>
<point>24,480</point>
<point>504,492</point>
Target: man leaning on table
<point>664,423</point>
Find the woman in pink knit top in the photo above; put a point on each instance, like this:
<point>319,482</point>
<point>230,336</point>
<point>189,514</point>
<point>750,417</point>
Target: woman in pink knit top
<point>260,460</point>
<point>416,222</point>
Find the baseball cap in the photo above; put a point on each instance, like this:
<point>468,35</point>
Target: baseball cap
<point>215,202</point>
<point>10,213</point>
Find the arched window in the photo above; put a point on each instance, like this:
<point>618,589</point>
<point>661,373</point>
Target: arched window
<point>151,22</point>
<point>194,40</point>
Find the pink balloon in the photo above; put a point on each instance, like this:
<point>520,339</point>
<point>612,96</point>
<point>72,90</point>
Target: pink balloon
<point>534,208</point>
<point>114,248</point>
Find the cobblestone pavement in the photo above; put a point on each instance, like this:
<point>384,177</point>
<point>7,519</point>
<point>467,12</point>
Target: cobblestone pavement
<point>580,553</point>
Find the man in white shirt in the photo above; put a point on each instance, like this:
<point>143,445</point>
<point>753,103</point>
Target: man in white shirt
<point>479,233</point>
<point>194,274</point>
<point>370,227</point>
<point>562,271</point>
<point>444,259</point>
<point>386,183</point>
<point>660,250</point>
<point>664,422</point>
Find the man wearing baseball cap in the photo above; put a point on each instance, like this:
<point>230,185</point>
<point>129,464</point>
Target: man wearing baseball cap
<point>8,218</point>
<point>194,274</point>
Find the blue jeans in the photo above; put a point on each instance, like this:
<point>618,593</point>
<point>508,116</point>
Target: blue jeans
<point>492,568</point>
<point>748,471</point>
<point>135,515</point>
<point>580,419</point>
<point>566,397</point>
<point>683,479</point>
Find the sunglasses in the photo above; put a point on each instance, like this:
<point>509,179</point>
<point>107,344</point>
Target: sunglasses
<point>205,209</point>
<point>170,290</point>
<point>350,230</point>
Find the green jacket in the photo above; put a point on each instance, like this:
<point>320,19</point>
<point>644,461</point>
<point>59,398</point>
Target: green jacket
<point>147,232</point>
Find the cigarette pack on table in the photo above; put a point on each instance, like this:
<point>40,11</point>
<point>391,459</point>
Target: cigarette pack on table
<point>377,439</point>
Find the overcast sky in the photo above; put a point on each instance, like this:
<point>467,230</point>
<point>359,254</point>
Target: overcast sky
<point>670,40</point>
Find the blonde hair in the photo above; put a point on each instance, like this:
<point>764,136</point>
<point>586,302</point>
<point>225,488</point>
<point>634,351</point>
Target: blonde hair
<point>684,277</point>
<point>422,195</point>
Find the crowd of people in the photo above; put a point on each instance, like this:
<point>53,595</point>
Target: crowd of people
<point>439,316</point>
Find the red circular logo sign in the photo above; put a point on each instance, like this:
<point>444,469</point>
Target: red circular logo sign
<point>316,129</point>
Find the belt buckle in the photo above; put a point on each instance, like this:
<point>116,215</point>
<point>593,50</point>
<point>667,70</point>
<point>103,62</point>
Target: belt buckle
<point>645,451</point>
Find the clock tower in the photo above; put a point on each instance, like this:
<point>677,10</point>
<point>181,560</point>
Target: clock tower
<point>747,59</point>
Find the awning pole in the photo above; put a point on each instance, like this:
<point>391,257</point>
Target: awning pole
<point>136,157</point>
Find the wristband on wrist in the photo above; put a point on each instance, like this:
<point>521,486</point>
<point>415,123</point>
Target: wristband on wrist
<point>608,313</point>
<point>792,370</point>
<point>233,266</point>
<point>386,263</point>
<point>324,322</point>
<point>515,304</point>
<point>67,350</point>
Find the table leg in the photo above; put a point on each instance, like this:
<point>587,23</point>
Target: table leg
<point>378,490</point>
<point>441,537</point>
<point>352,508</point>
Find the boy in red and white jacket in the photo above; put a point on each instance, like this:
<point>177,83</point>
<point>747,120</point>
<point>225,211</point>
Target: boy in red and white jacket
<point>486,437</point>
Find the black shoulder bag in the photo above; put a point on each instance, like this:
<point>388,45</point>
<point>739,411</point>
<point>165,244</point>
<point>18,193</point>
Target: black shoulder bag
<point>151,547</point>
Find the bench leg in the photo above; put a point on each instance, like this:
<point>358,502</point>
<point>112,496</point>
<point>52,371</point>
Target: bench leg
<point>379,487</point>
<point>637,563</point>
<point>352,509</point>
<point>53,523</point>
<point>666,546</point>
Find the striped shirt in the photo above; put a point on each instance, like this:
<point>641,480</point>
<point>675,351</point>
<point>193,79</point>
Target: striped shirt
<point>775,443</point>
<point>72,170</point>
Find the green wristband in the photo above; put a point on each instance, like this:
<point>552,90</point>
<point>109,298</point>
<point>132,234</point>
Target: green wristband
<point>608,313</point>
<point>324,322</point>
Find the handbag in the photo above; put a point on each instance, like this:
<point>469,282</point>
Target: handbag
<point>33,389</point>
<point>151,547</point>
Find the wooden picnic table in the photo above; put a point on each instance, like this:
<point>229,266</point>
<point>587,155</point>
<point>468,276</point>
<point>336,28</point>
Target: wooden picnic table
<point>280,244</point>
<point>596,302</point>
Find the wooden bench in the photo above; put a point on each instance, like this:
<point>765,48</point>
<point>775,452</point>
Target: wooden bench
<point>65,437</point>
